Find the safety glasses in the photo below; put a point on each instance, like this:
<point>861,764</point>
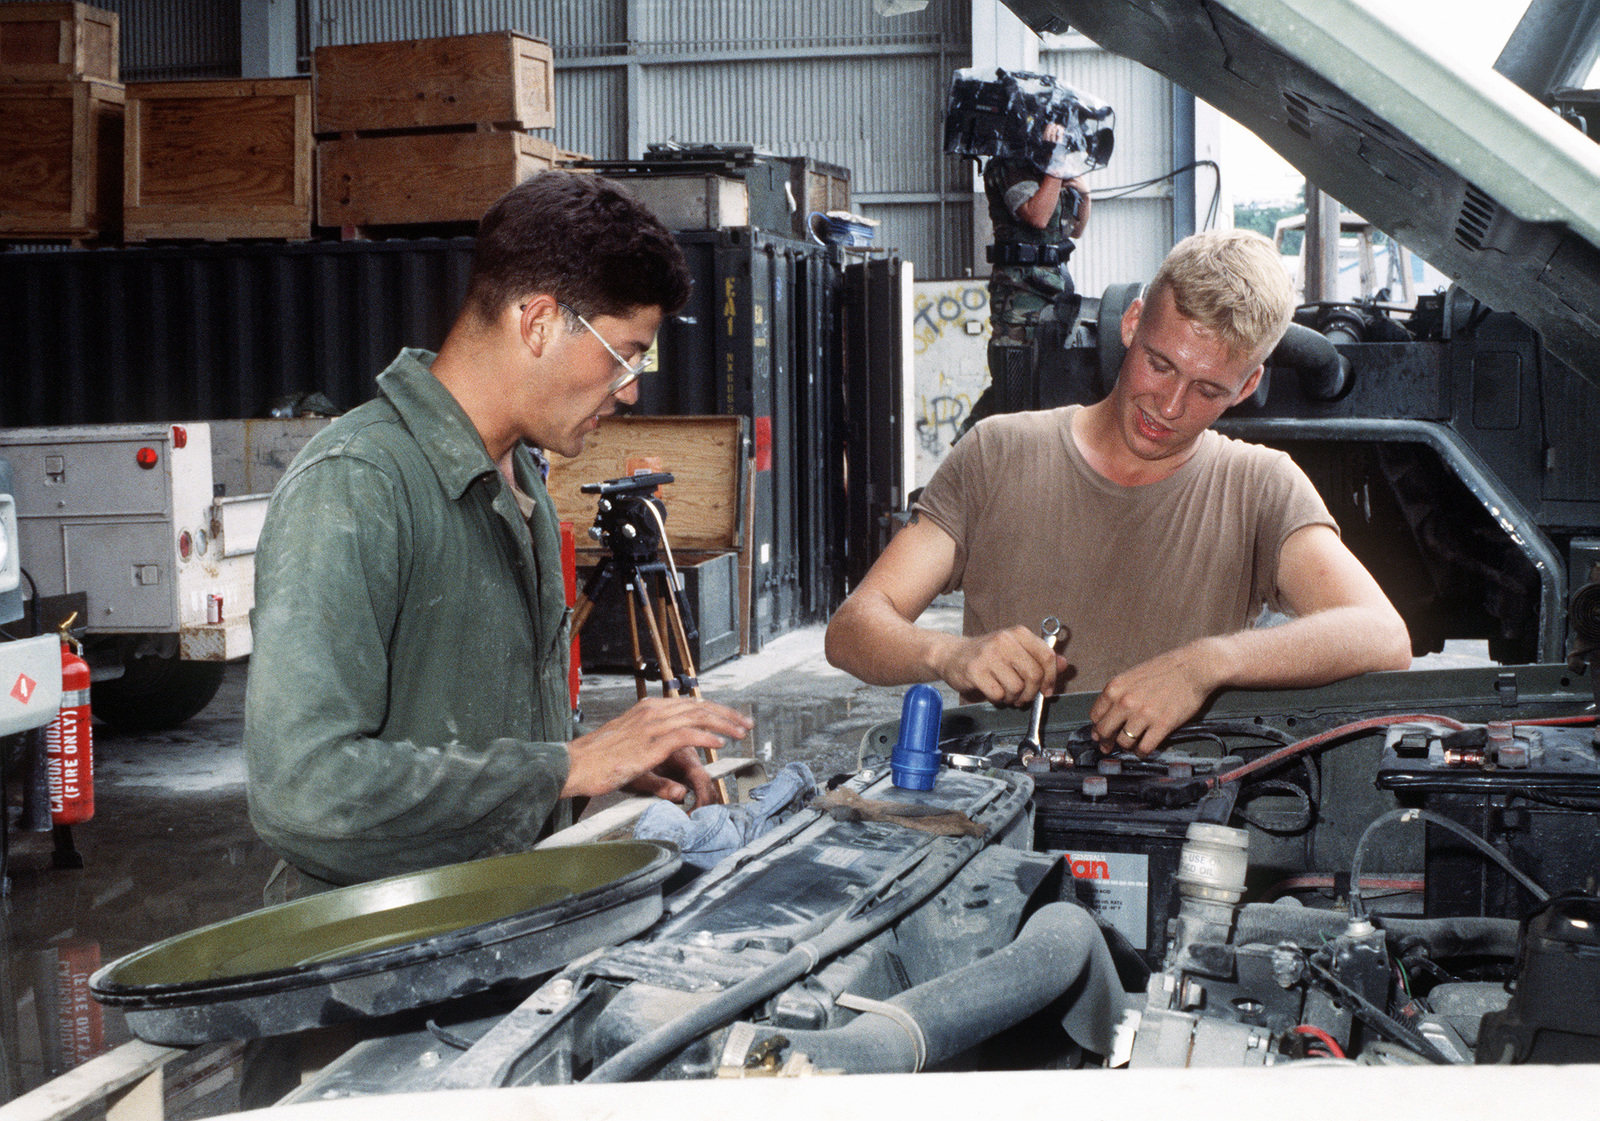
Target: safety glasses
<point>631,370</point>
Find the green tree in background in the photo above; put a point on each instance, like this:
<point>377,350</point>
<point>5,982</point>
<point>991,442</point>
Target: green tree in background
<point>1263,218</point>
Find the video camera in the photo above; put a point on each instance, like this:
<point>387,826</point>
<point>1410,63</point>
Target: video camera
<point>1003,113</point>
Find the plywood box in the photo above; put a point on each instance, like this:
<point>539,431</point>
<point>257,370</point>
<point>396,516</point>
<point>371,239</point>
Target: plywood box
<point>217,160</point>
<point>422,177</point>
<point>703,454</point>
<point>54,42</point>
<point>60,159</point>
<point>499,77</point>
<point>710,592</point>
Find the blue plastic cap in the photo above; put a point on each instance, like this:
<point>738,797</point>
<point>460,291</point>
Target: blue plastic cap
<point>914,764</point>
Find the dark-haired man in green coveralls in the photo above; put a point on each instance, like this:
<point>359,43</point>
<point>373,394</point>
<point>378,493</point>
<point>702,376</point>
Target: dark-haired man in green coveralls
<point>407,703</point>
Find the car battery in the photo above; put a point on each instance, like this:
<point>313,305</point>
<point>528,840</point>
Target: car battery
<point>1121,846</point>
<point>1530,790</point>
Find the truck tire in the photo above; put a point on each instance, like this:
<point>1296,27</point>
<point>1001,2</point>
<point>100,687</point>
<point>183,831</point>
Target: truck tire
<point>156,693</point>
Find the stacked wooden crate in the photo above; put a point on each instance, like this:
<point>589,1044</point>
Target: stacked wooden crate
<point>218,160</point>
<point>428,131</point>
<point>61,122</point>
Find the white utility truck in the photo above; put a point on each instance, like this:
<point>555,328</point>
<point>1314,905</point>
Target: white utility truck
<point>149,532</point>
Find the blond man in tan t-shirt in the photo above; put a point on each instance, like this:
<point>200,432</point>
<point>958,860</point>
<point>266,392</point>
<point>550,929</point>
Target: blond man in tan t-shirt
<point>1178,631</point>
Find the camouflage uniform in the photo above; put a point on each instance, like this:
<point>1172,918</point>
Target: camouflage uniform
<point>1016,301</point>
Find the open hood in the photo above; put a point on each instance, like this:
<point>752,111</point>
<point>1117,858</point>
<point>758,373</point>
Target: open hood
<point>1457,163</point>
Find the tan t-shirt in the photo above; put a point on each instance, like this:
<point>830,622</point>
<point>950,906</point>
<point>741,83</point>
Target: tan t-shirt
<point>1132,571</point>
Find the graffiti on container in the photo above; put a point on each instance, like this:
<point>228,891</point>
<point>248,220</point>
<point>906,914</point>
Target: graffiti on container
<point>951,329</point>
<point>953,307</point>
<point>941,417</point>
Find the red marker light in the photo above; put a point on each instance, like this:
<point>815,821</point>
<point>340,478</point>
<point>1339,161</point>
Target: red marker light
<point>180,436</point>
<point>147,458</point>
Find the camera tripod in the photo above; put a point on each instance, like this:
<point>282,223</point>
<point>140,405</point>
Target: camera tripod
<point>664,614</point>
<point>632,527</point>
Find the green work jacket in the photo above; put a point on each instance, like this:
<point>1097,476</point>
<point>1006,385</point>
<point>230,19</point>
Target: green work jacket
<point>407,704</point>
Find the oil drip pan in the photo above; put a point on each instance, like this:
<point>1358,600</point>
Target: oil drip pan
<point>389,945</point>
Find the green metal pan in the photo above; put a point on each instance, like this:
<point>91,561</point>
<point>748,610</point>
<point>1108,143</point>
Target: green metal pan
<point>390,945</point>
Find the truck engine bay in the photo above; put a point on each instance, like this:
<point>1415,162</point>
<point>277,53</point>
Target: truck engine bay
<point>1394,871</point>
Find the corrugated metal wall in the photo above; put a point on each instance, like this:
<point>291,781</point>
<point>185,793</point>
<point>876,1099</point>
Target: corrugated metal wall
<point>215,331</point>
<point>1127,236</point>
<point>729,24</point>
<point>592,111</point>
<point>173,39</point>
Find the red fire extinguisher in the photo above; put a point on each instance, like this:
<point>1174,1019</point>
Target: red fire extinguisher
<point>69,747</point>
<point>569,572</point>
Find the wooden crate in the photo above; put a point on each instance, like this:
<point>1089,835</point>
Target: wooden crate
<point>422,177</point>
<point>60,160</point>
<point>56,42</point>
<point>500,77</point>
<point>703,453</point>
<point>693,202</point>
<point>217,160</point>
<point>819,187</point>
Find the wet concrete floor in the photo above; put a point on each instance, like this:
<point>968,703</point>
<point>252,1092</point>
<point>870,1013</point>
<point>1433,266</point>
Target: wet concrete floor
<point>170,849</point>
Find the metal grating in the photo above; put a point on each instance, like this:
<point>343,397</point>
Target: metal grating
<point>1472,224</point>
<point>1298,113</point>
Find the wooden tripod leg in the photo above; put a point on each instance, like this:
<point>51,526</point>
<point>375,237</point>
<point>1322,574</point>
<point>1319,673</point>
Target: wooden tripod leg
<point>590,593</point>
<point>580,613</point>
<point>680,633</point>
<point>633,639</point>
<point>669,610</point>
<point>666,643</point>
<point>663,662</point>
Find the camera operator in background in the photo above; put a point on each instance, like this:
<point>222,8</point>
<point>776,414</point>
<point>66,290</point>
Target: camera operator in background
<point>1038,138</point>
<point>1036,218</point>
<point>408,704</point>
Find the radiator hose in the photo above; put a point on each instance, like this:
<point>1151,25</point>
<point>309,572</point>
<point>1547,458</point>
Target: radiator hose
<point>1060,952</point>
<point>1270,923</point>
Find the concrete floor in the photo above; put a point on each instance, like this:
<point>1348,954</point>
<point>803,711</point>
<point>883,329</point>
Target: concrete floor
<point>170,848</point>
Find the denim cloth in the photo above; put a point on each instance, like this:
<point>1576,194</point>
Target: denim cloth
<point>711,833</point>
